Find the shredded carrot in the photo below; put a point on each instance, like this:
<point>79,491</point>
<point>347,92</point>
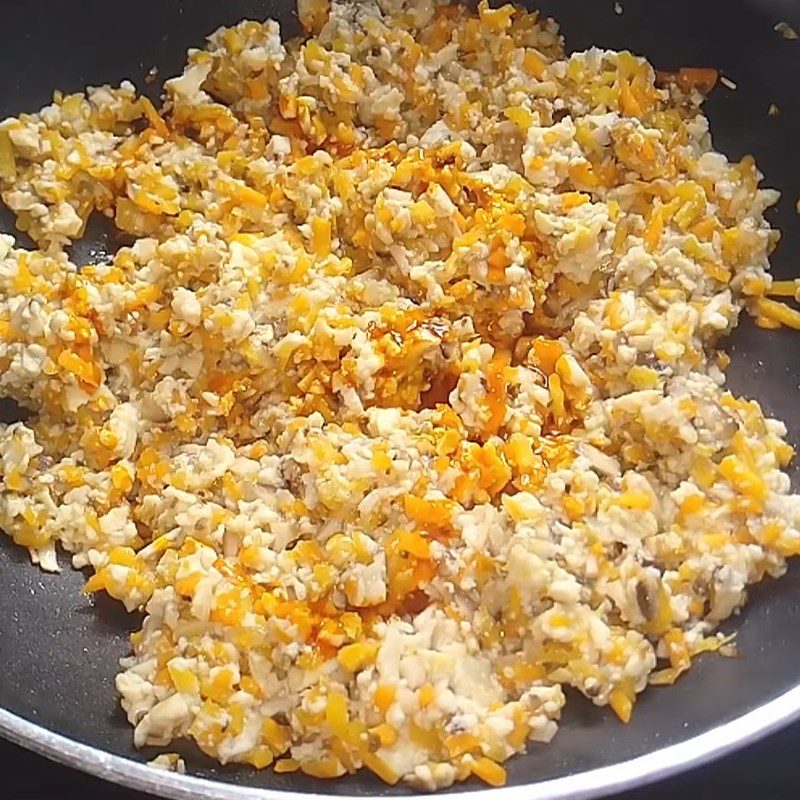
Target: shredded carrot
<point>785,289</point>
<point>154,118</point>
<point>778,312</point>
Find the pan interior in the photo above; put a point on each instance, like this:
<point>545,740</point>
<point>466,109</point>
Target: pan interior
<point>60,649</point>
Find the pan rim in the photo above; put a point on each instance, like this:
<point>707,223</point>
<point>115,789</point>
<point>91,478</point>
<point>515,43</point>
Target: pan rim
<point>642,770</point>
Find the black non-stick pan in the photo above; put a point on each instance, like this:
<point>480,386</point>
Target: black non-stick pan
<point>59,650</point>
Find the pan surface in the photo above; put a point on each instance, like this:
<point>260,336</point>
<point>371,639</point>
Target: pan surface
<point>59,650</point>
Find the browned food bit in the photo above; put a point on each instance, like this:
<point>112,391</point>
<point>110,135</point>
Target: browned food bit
<point>704,79</point>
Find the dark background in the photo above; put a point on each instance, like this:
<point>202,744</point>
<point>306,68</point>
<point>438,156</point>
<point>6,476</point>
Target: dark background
<point>58,654</point>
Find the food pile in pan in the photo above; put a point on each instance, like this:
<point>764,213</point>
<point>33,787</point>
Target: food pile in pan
<point>403,408</point>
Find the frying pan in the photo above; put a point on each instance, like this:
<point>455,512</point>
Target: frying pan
<point>59,650</point>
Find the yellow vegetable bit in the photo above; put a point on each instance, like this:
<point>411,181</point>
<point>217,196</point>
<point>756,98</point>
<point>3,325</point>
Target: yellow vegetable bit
<point>489,771</point>
<point>380,768</point>
<point>621,704</point>
<point>778,312</point>
<point>785,289</point>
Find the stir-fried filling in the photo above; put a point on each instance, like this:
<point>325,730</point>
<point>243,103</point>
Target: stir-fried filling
<point>405,408</point>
